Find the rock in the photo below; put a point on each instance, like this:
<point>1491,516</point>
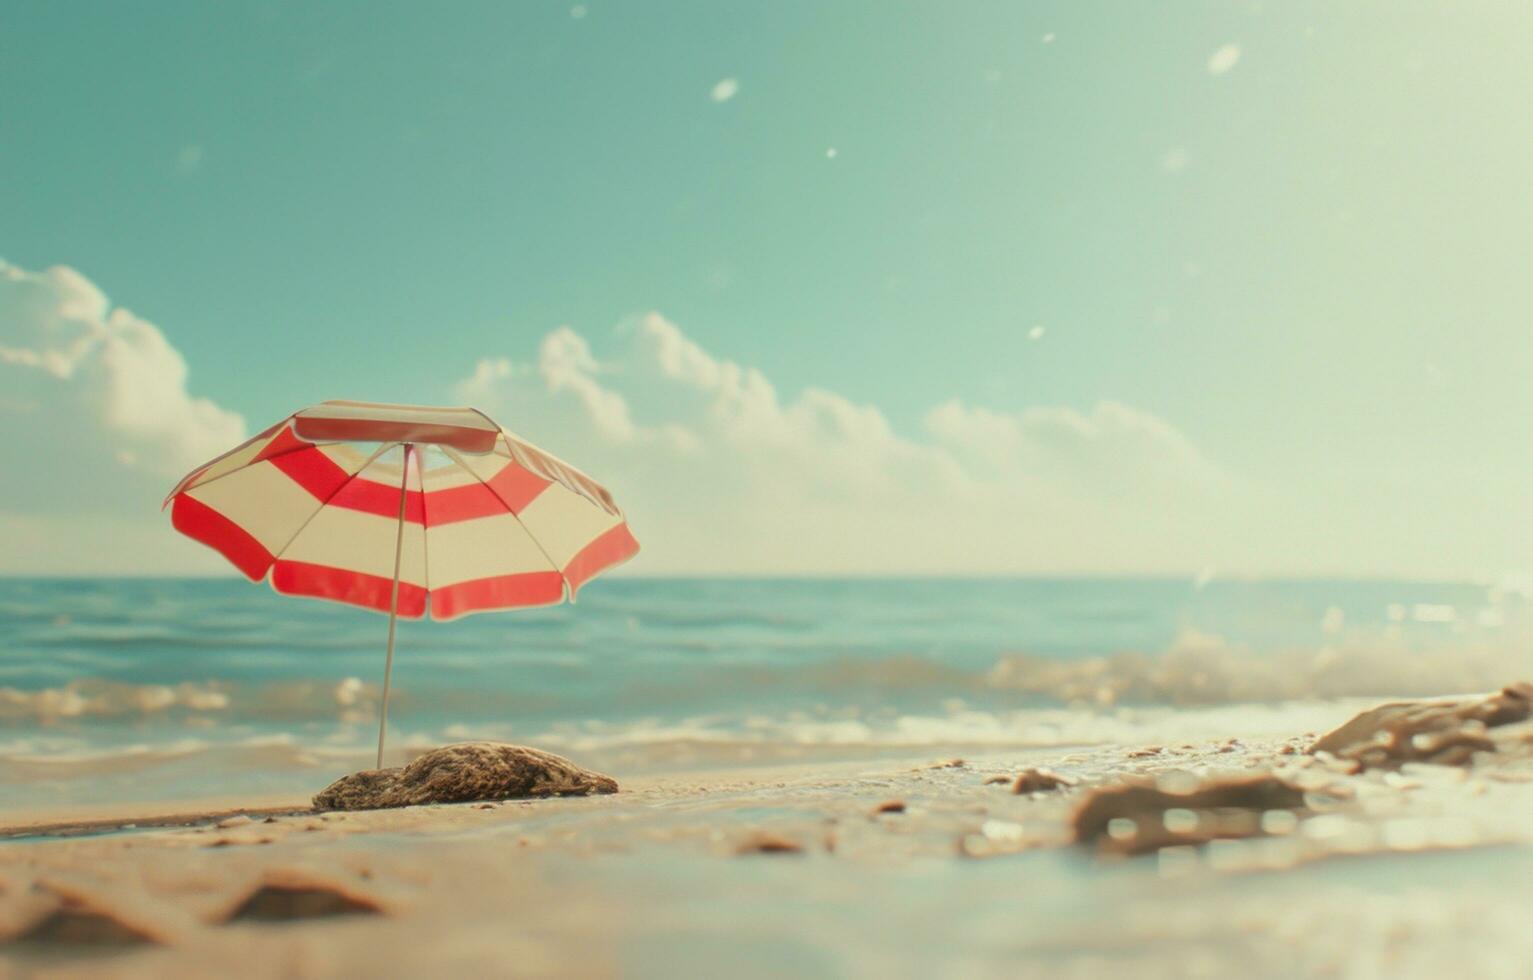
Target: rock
<point>73,926</point>
<point>764,843</point>
<point>283,896</point>
<point>1443,732</point>
<point>1040,781</point>
<point>238,820</point>
<point>1141,815</point>
<point>66,915</point>
<point>890,806</point>
<point>464,773</point>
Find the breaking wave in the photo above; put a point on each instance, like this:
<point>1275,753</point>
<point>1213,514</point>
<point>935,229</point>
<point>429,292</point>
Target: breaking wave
<point>120,687</point>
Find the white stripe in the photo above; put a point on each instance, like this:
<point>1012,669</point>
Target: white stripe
<point>262,500</point>
<point>449,477</point>
<point>237,458</point>
<point>480,548</point>
<point>563,522</point>
<point>348,457</point>
<point>360,542</point>
<point>484,467</point>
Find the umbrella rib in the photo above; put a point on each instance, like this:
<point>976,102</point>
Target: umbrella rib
<point>451,454</point>
<point>420,474</point>
<point>181,483</point>
<point>561,472</point>
<point>277,555</point>
<point>264,459</point>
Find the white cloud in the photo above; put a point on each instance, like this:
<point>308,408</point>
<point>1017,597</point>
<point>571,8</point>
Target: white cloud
<point>725,90</point>
<point>719,473</point>
<point>100,395</point>
<point>1223,59</point>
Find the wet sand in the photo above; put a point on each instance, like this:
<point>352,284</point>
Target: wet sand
<point>860,867</point>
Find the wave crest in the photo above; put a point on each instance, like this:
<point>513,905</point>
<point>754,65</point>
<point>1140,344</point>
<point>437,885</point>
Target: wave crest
<point>1202,669</point>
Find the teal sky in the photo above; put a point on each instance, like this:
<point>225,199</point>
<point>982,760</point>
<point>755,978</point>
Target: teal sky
<point>1312,265</point>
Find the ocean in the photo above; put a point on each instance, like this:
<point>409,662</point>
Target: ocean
<point>159,690</point>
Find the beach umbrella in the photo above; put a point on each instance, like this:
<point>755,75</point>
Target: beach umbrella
<point>403,509</point>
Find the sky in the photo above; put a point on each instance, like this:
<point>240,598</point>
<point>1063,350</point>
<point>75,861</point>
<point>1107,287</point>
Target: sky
<point>816,288</point>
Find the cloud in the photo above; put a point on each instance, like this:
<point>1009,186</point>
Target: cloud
<point>725,90</point>
<point>1223,59</point>
<point>719,470</point>
<point>721,473</point>
<point>100,395</point>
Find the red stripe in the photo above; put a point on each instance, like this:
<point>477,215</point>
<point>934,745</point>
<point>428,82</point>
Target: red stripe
<point>511,489</point>
<point>315,472</point>
<point>497,592</point>
<point>517,486</point>
<point>462,504</point>
<point>343,585</point>
<point>613,546</point>
<point>372,497</point>
<point>200,522</point>
<point>327,481</point>
<point>285,442</point>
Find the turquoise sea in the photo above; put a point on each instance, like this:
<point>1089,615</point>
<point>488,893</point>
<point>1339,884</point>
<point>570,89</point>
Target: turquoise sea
<point>150,689</point>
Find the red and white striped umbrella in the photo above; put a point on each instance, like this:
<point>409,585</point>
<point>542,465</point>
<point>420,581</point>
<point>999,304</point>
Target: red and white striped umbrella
<point>401,508</point>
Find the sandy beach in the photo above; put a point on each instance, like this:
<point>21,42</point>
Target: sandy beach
<point>894,866</point>
<point>819,490</point>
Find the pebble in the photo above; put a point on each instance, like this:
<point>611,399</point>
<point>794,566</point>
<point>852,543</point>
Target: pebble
<point>1040,781</point>
<point>769,844</point>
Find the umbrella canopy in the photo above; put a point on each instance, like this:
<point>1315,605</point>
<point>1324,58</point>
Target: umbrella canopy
<point>403,509</point>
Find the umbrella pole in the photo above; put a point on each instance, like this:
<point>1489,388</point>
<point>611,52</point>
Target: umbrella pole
<point>388,663</point>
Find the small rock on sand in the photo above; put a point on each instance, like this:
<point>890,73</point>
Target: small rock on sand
<point>285,896</point>
<point>73,926</point>
<point>71,916</point>
<point>765,843</point>
<point>890,806</point>
<point>464,773</point>
<point>1040,781</point>
<point>1442,732</point>
<point>1141,815</point>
